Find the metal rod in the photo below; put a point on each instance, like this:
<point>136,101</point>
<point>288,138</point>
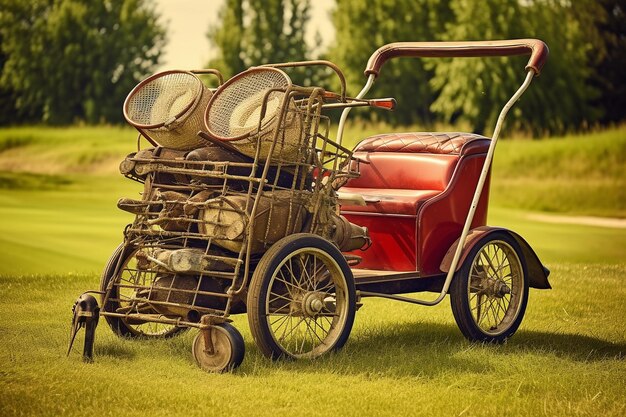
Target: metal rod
<point>334,67</point>
<point>392,297</point>
<point>346,111</point>
<point>178,322</point>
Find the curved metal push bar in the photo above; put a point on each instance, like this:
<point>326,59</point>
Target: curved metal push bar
<point>537,50</point>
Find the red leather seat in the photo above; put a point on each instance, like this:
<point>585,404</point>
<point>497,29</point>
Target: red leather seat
<point>426,142</point>
<point>400,171</point>
<point>405,180</point>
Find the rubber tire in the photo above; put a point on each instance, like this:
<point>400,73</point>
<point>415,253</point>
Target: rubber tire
<point>118,325</point>
<point>459,300</point>
<point>236,348</point>
<point>262,276</point>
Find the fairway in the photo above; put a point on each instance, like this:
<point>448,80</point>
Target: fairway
<point>59,225</point>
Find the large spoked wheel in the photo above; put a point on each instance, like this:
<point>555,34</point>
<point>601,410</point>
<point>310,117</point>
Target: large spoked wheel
<point>301,300</point>
<point>220,348</point>
<point>122,268</point>
<point>490,292</point>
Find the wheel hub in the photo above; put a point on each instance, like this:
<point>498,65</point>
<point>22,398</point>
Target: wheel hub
<point>312,303</point>
<point>493,287</point>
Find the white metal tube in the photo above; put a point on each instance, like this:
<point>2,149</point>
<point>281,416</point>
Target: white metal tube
<point>346,111</point>
<point>481,183</point>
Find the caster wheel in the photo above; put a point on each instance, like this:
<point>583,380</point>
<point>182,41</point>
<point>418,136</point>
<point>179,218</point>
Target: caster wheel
<point>223,353</point>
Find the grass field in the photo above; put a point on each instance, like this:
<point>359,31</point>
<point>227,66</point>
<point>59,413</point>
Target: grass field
<point>58,190</point>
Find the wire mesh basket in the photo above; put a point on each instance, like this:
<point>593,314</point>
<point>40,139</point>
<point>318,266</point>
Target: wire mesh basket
<point>168,109</point>
<point>252,111</point>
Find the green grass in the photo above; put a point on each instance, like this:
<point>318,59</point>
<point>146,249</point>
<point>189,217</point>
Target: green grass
<point>567,359</point>
<point>62,150</point>
<point>58,225</point>
<point>582,175</point>
<point>71,228</point>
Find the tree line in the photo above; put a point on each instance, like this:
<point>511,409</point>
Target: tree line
<point>63,61</point>
<point>66,61</point>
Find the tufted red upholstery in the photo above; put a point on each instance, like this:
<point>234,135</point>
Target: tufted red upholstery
<point>390,200</point>
<point>453,143</point>
<point>406,171</point>
<point>418,188</point>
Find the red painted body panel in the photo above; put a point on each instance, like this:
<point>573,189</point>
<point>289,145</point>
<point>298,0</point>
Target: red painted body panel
<point>393,201</point>
<point>393,241</point>
<point>441,218</point>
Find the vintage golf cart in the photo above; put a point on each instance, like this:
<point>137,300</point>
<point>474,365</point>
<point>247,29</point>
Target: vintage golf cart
<point>249,207</point>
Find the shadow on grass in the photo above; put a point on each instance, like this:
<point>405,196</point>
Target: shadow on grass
<point>118,349</point>
<point>576,347</point>
<point>425,350</point>
<point>430,350</point>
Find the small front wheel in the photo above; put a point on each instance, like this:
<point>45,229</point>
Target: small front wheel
<point>220,348</point>
<point>490,291</point>
<point>301,299</point>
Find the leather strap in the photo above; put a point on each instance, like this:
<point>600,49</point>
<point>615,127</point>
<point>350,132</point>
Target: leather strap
<point>537,50</point>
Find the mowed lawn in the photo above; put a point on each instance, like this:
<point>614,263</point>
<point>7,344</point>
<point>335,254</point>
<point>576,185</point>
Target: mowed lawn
<point>59,224</point>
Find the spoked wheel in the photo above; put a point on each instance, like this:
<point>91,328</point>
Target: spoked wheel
<point>301,300</point>
<point>122,268</point>
<point>490,292</point>
<point>220,348</point>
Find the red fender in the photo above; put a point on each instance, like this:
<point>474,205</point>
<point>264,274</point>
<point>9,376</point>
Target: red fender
<point>537,273</point>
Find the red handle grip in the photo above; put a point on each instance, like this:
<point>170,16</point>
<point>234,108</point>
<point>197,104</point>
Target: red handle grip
<point>537,50</point>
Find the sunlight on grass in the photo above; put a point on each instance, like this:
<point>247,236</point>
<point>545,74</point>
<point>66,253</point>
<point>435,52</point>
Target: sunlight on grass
<point>566,359</point>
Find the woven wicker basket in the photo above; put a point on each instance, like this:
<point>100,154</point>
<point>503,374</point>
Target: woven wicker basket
<point>234,115</point>
<point>168,109</point>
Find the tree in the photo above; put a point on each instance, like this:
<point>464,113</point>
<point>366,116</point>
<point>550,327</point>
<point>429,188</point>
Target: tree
<point>69,60</point>
<point>475,90</point>
<point>582,80</point>
<point>8,113</point>
<point>363,26</point>
<point>609,71</point>
<point>228,37</point>
<point>254,32</point>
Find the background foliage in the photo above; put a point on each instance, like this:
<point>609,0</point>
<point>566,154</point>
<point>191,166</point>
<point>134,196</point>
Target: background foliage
<point>75,60</point>
<point>254,32</point>
<point>473,90</point>
<point>63,61</point>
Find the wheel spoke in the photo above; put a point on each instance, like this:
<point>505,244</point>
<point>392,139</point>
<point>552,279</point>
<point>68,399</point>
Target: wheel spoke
<point>292,327</point>
<point>488,259</point>
<point>305,273</point>
<point>494,313</point>
<point>313,332</point>
<point>479,307</point>
<point>280,296</point>
<point>289,284</point>
<point>294,278</point>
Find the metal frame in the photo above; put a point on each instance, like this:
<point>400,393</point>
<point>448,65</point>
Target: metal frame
<point>319,153</point>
